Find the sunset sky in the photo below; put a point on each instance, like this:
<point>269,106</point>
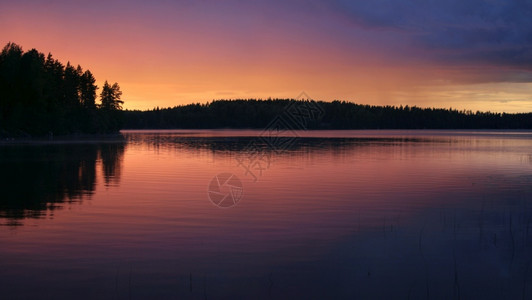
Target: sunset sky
<point>471,54</point>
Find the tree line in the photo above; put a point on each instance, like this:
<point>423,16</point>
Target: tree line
<point>253,113</point>
<point>41,96</point>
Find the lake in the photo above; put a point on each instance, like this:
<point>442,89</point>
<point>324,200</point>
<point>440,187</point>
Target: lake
<point>240,214</point>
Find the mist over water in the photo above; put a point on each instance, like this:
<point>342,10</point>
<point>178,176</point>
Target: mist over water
<point>336,214</point>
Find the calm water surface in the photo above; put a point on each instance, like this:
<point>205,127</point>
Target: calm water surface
<point>332,214</point>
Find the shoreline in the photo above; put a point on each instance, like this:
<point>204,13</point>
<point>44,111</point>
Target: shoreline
<point>64,139</point>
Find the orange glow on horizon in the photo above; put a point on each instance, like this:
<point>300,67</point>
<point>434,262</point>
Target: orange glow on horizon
<point>174,62</point>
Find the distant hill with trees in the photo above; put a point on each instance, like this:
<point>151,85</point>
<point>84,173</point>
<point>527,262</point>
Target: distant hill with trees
<point>252,113</point>
<point>41,96</point>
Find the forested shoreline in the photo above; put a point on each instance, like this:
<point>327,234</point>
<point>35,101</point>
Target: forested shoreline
<point>253,113</point>
<point>40,96</point>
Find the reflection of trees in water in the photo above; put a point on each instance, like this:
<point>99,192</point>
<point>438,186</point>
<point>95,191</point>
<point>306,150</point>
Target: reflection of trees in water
<point>111,156</point>
<point>35,180</point>
<point>157,141</point>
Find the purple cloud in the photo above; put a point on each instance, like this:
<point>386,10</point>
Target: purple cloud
<point>492,32</point>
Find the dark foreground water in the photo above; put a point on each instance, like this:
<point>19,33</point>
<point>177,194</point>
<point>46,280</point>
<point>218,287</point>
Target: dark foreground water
<point>229,215</point>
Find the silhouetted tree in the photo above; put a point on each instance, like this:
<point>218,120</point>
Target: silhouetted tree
<point>110,96</point>
<point>111,114</point>
<point>40,96</point>
<point>88,90</point>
